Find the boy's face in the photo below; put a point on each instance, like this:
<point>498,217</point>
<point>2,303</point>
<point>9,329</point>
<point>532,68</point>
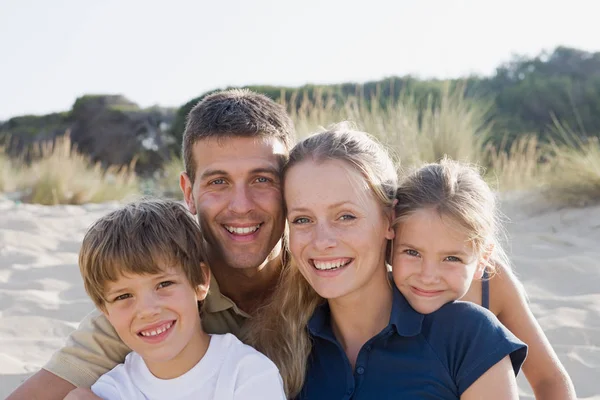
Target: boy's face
<point>432,263</point>
<point>157,317</point>
<point>237,197</point>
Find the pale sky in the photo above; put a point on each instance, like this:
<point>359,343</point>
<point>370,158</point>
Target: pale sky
<point>167,52</point>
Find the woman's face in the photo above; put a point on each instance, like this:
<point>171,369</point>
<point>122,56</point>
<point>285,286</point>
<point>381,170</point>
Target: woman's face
<point>338,230</point>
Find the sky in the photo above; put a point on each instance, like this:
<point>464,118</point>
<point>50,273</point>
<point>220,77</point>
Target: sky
<point>168,52</point>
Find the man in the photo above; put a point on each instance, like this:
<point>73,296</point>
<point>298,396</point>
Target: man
<point>234,146</point>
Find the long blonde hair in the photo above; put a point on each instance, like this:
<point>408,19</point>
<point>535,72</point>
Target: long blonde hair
<point>279,330</point>
<point>458,192</point>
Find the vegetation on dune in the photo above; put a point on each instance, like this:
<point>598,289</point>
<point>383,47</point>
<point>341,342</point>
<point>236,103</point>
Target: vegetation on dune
<point>534,124</point>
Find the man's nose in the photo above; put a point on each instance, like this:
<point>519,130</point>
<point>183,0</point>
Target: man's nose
<point>241,201</point>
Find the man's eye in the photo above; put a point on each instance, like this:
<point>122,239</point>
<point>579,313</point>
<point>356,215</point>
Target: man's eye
<point>165,284</point>
<point>122,297</point>
<point>262,179</point>
<point>300,221</point>
<point>219,181</point>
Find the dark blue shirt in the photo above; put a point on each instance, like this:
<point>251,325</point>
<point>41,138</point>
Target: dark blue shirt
<point>434,356</point>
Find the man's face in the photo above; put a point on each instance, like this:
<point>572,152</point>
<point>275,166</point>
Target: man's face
<point>238,199</point>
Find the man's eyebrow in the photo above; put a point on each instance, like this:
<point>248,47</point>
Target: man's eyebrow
<point>213,172</point>
<point>266,170</point>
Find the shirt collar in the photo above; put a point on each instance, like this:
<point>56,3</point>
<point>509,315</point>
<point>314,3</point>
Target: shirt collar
<point>216,301</point>
<point>403,319</point>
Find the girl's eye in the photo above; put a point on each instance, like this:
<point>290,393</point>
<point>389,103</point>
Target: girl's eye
<point>453,259</point>
<point>412,252</point>
<point>347,217</point>
<point>122,297</point>
<point>300,221</point>
<point>165,284</point>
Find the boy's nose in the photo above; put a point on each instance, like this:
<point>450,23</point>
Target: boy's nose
<point>148,306</point>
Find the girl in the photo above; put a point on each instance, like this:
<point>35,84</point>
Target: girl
<point>337,328</point>
<point>446,248</point>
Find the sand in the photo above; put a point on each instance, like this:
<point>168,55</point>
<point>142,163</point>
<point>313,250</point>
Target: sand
<point>556,254</point>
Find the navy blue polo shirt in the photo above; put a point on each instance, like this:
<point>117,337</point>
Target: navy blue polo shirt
<point>434,356</point>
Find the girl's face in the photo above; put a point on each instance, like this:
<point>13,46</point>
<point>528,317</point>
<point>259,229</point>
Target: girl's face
<point>338,230</point>
<point>433,262</point>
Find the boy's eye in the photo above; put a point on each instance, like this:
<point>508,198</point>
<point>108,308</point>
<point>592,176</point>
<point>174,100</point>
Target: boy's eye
<point>452,259</point>
<point>300,221</point>
<point>412,252</point>
<point>165,284</point>
<point>122,297</point>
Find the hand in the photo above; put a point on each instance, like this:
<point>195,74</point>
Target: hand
<point>81,394</point>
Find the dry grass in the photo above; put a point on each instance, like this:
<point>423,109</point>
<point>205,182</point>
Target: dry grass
<point>61,175</point>
<point>575,176</point>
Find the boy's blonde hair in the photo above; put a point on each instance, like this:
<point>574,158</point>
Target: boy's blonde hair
<point>141,238</point>
<point>458,193</point>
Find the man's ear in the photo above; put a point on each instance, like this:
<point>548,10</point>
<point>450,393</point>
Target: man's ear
<point>202,289</point>
<point>186,185</point>
<point>484,261</point>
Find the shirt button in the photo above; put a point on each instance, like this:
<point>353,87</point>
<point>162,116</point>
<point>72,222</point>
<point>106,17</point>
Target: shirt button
<point>349,392</point>
<point>360,370</point>
<point>368,348</point>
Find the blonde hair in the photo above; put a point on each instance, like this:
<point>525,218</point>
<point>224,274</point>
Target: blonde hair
<point>139,238</point>
<point>279,330</point>
<point>456,191</point>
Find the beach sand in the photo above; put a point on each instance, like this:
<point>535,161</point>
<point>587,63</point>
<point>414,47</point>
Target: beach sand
<point>556,254</point>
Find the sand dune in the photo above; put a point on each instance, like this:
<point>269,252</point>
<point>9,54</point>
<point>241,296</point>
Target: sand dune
<point>556,254</point>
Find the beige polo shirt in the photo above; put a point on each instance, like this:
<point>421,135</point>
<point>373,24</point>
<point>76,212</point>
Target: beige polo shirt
<point>95,348</point>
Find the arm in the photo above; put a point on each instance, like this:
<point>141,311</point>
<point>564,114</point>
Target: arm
<point>87,394</point>
<point>497,383</point>
<point>91,350</point>
<point>42,385</point>
<point>542,368</point>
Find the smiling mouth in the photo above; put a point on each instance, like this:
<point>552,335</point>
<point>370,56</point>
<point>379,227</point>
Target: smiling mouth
<point>425,293</point>
<point>242,231</point>
<point>331,265</point>
<point>157,331</point>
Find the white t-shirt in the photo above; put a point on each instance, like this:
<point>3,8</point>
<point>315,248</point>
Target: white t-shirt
<point>229,370</point>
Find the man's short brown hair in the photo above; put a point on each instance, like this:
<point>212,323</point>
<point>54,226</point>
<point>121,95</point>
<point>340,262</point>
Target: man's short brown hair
<point>230,113</point>
<point>141,238</point>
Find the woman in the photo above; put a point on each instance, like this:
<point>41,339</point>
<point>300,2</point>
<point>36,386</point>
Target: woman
<point>337,328</point>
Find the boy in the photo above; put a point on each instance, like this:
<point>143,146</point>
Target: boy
<point>143,267</point>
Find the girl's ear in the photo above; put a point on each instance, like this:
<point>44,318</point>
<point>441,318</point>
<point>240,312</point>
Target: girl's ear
<point>391,232</point>
<point>202,290</point>
<point>484,261</point>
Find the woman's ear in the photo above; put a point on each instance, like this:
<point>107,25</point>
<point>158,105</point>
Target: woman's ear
<point>202,290</point>
<point>484,261</point>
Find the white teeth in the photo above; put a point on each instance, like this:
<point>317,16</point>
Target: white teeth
<point>326,265</point>
<point>242,231</point>
<point>157,331</point>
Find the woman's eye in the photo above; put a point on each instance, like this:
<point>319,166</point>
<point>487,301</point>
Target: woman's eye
<point>165,284</point>
<point>453,259</point>
<point>301,221</point>
<point>412,252</point>
<point>122,297</point>
<point>347,217</point>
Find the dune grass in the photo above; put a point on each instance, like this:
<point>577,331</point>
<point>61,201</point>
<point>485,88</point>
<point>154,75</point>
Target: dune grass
<point>62,175</point>
<point>567,170</point>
